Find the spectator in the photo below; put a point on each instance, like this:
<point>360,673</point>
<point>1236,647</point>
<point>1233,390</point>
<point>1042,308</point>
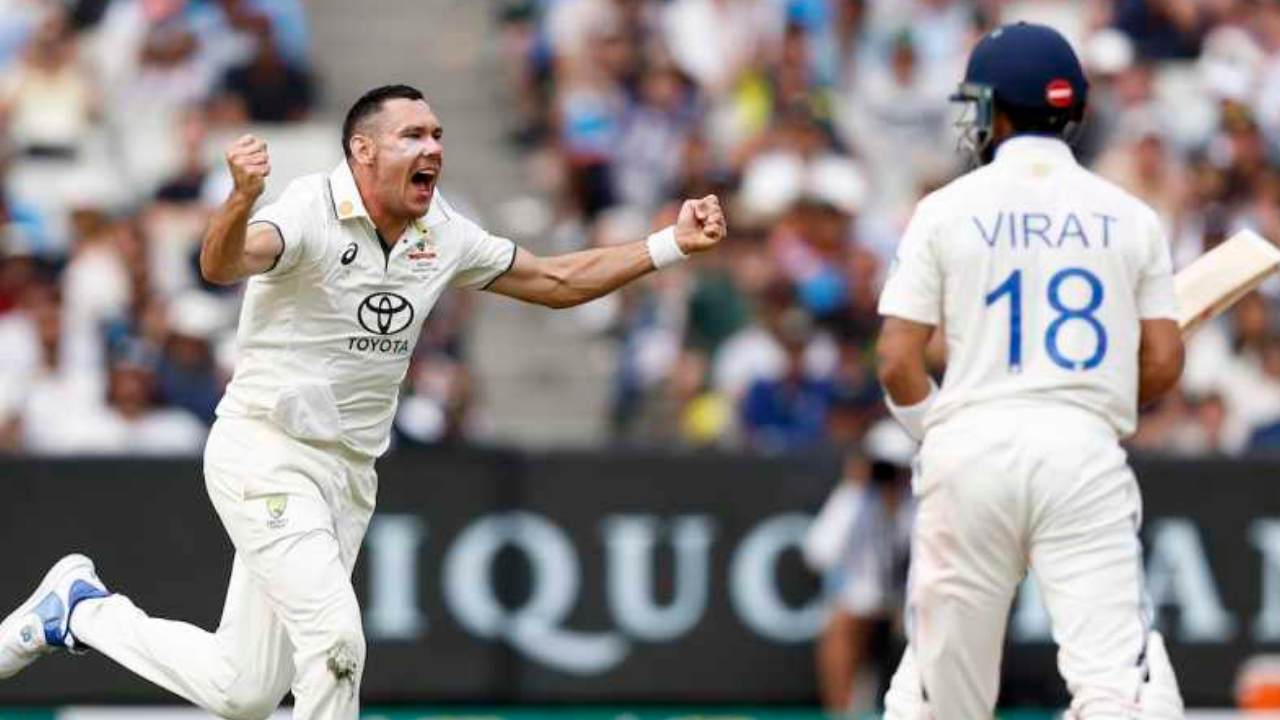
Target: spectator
<point>651,330</point>
<point>897,117</point>
<point>1232,362</point>
<point>51,406</point>
<point>174,223</point>
<point>21,353</point>
<point>789,412</point>
<point>860,542</point>
<point>47,102</point>
<point>135,424</point>
<point>186,375</point>
<point>526,69</point>
<point>17,248</point>
<point>155,59</point>
<point>1140,162</point>
<point>644,171</point>
<point>288,22</point>
<point>859,401</point>
<point>589,107</point>
<point>1265,429</point>
<point>187,184</point>
<point>1164,29</point>
<point>439,405</point>
<point>267,89</point>
<point>1184,425</point>
<point>682,411</point>
<point>715,41</point>
<point>228,30</point>
<point>95,291</point>
<point>756,353</point>
<point>1267,102</point>
<point>721,299</point>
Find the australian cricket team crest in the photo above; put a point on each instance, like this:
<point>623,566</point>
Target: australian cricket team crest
<point>422,253</point>
<point>276,507</point>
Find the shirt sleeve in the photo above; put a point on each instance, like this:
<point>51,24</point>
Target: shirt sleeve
<point>291,214</point>
<point>485,258</point>
<point>1156,298</point>
<point>913,289</point>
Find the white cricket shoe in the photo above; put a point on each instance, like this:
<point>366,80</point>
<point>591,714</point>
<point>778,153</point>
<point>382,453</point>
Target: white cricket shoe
<point>42,624</point>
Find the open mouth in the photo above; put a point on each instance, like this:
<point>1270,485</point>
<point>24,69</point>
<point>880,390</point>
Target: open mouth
<point>424,180</point>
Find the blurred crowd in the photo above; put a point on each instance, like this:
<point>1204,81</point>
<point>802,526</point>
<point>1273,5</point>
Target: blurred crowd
<point>109,342</point>
<point>821,122</point>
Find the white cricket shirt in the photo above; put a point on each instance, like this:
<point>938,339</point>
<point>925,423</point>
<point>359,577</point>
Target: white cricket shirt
<point>325,336</point>
<point>1040,272</point>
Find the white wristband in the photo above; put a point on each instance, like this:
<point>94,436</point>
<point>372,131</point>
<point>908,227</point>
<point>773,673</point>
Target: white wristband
<point>912,417</point>
<point>663,248</point>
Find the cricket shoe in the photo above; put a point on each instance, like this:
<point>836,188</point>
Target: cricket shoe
<point>42,624</point>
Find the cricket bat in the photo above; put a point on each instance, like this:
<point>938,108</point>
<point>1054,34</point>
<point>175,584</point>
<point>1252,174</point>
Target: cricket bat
<point>1220,277</point>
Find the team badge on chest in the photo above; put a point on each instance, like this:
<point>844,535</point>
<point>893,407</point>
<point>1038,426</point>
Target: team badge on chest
<point>422,254</point>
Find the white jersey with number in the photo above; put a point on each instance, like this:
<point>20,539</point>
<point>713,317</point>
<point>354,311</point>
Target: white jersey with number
<point>326,335</point>
<point>1039,271</point>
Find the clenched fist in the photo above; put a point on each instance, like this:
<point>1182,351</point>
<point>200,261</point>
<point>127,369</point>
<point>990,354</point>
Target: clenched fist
<point>249,164</point>
<point>701,225</point>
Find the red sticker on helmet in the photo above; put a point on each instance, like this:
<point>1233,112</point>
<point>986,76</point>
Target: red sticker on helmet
<point>1059,93</point>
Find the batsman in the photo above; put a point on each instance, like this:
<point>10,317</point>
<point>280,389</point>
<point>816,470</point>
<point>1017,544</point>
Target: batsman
<point>1055,293</point>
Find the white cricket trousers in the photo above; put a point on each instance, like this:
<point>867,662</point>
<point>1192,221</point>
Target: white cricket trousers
<point>1006,489</point>
<point>296,514</point>
<point>1161,698</point>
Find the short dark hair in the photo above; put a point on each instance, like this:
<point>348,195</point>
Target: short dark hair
<point>369,104</point>
<point>1037,120</point>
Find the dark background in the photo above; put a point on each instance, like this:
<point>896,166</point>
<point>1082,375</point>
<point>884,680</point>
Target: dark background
<point>150,529</point>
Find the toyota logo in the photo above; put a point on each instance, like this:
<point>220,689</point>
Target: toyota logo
<point>385,313</point>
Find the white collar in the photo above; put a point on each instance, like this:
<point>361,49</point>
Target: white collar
<point>347,203</point>
<point>1035,147</point>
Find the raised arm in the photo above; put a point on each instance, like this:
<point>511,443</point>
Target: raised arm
<point>232,251</point>
<point>567,280</point>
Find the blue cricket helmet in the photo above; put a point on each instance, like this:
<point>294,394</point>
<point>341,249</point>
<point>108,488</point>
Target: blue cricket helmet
<point>1028,69</point>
